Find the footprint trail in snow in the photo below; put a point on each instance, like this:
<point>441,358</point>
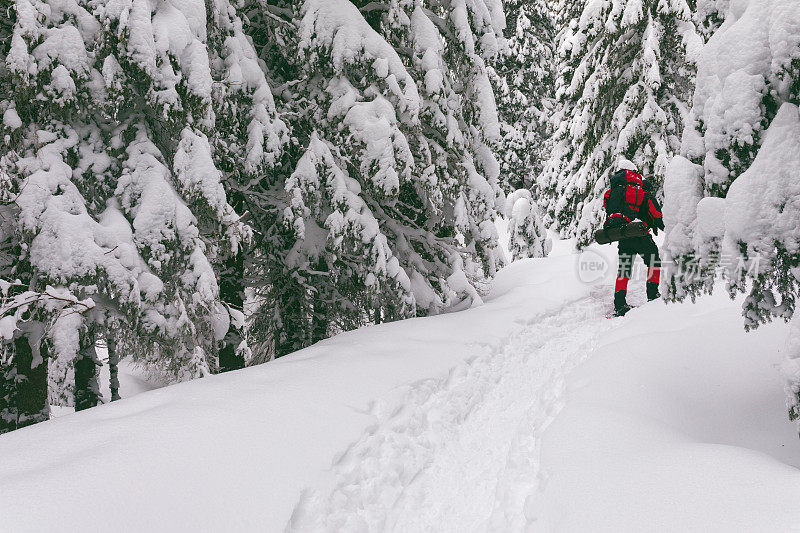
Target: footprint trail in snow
<point>461,453</point>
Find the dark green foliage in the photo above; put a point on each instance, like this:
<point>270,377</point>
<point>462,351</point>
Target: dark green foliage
<point>525,91</point>
<point>87,386</point>
<point>23,383</point>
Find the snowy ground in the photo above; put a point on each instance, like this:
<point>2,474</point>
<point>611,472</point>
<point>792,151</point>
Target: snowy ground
<point>531,412</point>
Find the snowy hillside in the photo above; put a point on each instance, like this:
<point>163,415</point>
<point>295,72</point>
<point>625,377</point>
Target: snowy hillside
<point>530,412</point>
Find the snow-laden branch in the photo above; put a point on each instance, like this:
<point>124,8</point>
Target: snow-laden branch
<point>14,304</point>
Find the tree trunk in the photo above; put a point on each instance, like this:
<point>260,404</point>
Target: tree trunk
<point>319,322</point>
<point>87,387</point>
<point>319,318</point>
<point>113,367</point>
<point>24,380</point>
<point>292,321</point>
<point>231,291</point>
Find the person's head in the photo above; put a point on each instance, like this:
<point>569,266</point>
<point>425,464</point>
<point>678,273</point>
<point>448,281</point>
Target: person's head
<point>649,184</point>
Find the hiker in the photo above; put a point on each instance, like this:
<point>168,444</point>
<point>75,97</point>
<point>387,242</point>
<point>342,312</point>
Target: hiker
<point>631,198</point>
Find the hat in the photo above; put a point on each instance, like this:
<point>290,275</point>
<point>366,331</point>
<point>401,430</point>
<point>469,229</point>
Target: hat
<point>626,164</point>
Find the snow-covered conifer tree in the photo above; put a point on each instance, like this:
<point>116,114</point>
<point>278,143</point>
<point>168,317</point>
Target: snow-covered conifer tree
<point>393,185</point>
<point>524,78</point>
<point>732,198</point>
<point>565,12</point>
<point>624,80</point>
<point>23,358</point>
<point>450,46</point>
<point>527,234</point>
<point>710,14</point>
<point>324,264</point>
<point>248,144</point>
<point>117,172</point>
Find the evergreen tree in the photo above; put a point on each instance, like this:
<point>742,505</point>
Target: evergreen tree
<point>524,78</point>
<point>248,142</point>
<point>391,183</point>
<point>710,15</point>
<point>625,75</point>
<point>113,153</point>
<point>527,234</point>
<point>152,184</point>
<point>448,47</point>
<point>321,264</point>
<point>23,357</point>
<point>731,197</point>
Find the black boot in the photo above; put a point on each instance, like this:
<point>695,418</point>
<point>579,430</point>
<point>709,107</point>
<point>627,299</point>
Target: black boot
<point>652,291</point>
<point>620,305</point>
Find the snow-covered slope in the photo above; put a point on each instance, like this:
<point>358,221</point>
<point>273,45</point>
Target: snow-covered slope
<point>532,411</point>
<point>676,423</point>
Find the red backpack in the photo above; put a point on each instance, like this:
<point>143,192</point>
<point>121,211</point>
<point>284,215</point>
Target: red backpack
<point>624,199</point>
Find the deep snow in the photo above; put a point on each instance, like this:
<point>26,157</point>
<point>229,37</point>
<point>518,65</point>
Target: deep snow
<point>530,412</point>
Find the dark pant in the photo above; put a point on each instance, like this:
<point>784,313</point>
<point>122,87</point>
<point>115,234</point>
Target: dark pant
<point>628,250</point>
<point>642,246</point>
